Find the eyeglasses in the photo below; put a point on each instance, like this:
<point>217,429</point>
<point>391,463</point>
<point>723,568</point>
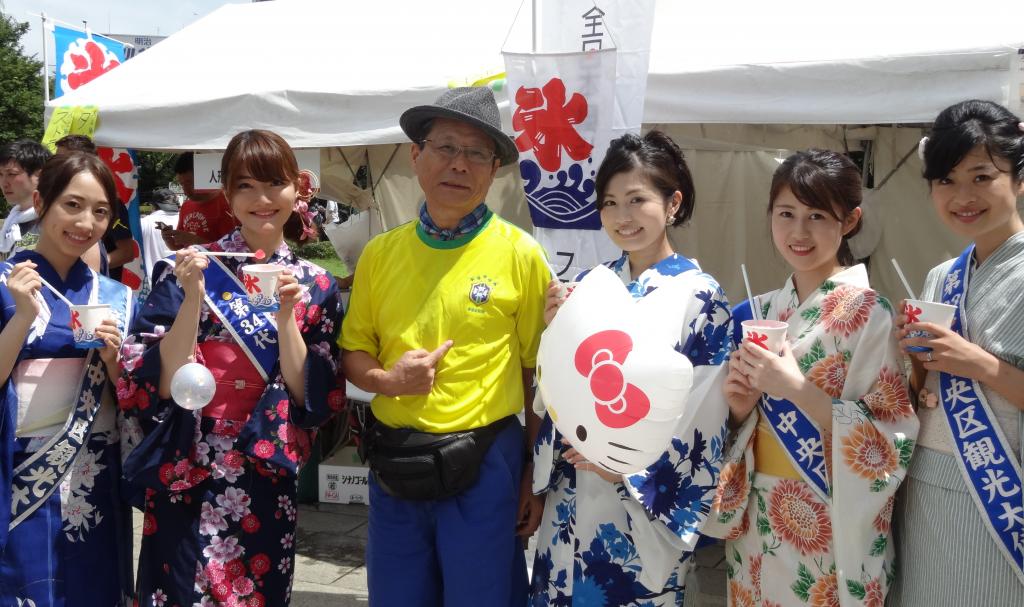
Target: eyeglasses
<point>449,151</point>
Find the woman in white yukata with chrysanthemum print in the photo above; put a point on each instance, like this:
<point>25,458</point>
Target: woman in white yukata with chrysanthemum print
<point>605,539</point>
<point>823,432</point>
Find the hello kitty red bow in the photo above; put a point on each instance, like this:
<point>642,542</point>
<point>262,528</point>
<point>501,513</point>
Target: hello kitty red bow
<point>599,358</point>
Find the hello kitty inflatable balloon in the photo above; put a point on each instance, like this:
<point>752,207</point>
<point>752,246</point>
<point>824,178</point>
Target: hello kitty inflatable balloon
<point>609,375</point>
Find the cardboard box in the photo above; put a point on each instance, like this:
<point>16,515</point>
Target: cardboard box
<point>344,479</point>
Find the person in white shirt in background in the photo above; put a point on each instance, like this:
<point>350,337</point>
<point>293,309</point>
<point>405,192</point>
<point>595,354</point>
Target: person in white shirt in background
<point>153,246</point>
<point>332,212</point>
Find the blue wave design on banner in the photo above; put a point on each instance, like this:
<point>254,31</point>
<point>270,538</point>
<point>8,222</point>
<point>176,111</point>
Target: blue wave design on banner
<point>565,199</point>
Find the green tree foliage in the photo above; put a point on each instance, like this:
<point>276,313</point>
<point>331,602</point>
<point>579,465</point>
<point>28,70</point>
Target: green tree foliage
<point>156,170</point>
<point>21,86</point>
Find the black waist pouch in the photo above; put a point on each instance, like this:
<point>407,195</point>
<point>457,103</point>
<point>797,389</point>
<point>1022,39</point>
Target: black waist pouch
<point>415,465</point>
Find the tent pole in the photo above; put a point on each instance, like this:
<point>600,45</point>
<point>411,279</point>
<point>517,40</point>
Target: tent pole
<point>46,67</point>
<point>373,187</point>
<point>533,28</point>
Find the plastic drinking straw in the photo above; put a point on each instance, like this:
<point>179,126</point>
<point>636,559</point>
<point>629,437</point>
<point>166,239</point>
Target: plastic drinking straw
<point>56,292</point>
<point>903,279</point>
<point>754,307</point>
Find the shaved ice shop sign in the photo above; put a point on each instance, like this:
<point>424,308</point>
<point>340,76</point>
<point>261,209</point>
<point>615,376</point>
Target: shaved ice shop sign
<point>207,167</point>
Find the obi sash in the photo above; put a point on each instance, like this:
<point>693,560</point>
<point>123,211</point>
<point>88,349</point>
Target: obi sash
<point>985,461</point>
<point>799,436</point>
<point>38,476</point>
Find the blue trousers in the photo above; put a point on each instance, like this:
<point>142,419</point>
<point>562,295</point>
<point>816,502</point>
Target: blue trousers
<point>458,551</point>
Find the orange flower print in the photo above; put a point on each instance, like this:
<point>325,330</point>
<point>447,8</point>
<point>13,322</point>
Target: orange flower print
<point>889,402</point>
<point>786,314</point>
<point>869,453</point>
<point>829,374</point>
<point>732,488</point>
<point>770,604</point>
<point>824,592</point>
<point>883,522</point>
<point>741,529</point>
<point>755,573</point>
<point>739,595</point>
<point>798,518</point>
<point>873,596</point>
<point>846,309</point>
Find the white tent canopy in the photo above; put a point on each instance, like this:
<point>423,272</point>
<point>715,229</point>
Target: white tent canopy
<point>339,74</point>
<point>735,83</point>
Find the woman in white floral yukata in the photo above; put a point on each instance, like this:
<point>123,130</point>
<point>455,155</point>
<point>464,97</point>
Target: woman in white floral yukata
<point>607,539</point>
<point>823,432</point>
<point>219,484</point>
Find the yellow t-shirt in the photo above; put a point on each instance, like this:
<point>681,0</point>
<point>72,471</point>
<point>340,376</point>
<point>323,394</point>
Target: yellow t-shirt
<point>484,291</point>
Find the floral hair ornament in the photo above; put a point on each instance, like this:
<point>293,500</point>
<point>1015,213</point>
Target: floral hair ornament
<point>920,148</point>
<point>309,186</point>
<point>1020,127</point>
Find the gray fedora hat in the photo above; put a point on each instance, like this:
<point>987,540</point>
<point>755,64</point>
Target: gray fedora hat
<point>472,104</point>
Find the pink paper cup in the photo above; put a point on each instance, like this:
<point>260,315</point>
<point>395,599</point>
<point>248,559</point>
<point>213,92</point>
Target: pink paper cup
<point>927,311</point>
<point>769,334</point>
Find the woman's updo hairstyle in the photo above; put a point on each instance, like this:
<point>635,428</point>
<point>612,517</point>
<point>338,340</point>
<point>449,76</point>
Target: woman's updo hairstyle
<point>961,127</point>
<point>660,160</point>
<point>823,180</point>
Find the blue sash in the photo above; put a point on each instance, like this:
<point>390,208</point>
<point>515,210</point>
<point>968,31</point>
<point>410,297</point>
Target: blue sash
<point>254,332</point>
<point>987,464</point>
<point>800,437</point>
<point>802,441</point>
<point>37,477</point>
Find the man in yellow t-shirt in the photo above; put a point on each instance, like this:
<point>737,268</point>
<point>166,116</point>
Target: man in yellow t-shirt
<point>443,325</point>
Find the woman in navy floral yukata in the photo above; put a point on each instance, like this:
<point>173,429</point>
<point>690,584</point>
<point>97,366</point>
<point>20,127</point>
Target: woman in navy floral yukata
<point>219,484</point>
<point>607,539</point>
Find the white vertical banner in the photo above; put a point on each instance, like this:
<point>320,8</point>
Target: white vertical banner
<point>582,86</point>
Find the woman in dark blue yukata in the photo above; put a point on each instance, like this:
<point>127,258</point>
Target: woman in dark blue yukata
<point>66,539</point>
<point>608,539</point>
<point>219,484</point>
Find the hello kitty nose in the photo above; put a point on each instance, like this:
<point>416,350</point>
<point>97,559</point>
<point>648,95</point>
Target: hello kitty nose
<point>581,433</point>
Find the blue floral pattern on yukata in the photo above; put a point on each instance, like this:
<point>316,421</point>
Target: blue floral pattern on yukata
<point>617,544</point>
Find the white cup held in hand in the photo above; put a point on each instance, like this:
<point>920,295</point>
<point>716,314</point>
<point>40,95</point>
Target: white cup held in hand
<point>769,334</point>
<point>260,282</point>
<point>936,313</point>
<point>84,320</point>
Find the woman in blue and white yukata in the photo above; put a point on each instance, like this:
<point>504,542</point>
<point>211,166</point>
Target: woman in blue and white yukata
<point>66,539</point>
<point>606,539</point>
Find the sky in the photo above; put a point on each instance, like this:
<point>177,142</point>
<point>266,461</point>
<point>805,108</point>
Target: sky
<point>152,17</point>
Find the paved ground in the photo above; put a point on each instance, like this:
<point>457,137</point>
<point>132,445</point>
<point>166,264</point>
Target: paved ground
<point>330,568</point>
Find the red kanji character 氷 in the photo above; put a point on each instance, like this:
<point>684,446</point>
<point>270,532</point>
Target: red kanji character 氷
<point>548,129</point>
<point>252,284</point>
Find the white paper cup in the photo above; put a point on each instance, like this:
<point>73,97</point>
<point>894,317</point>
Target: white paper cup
<point>769,334</point>
<point>927,311</point>
<point>260,282</point>
<point>84,320</point>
